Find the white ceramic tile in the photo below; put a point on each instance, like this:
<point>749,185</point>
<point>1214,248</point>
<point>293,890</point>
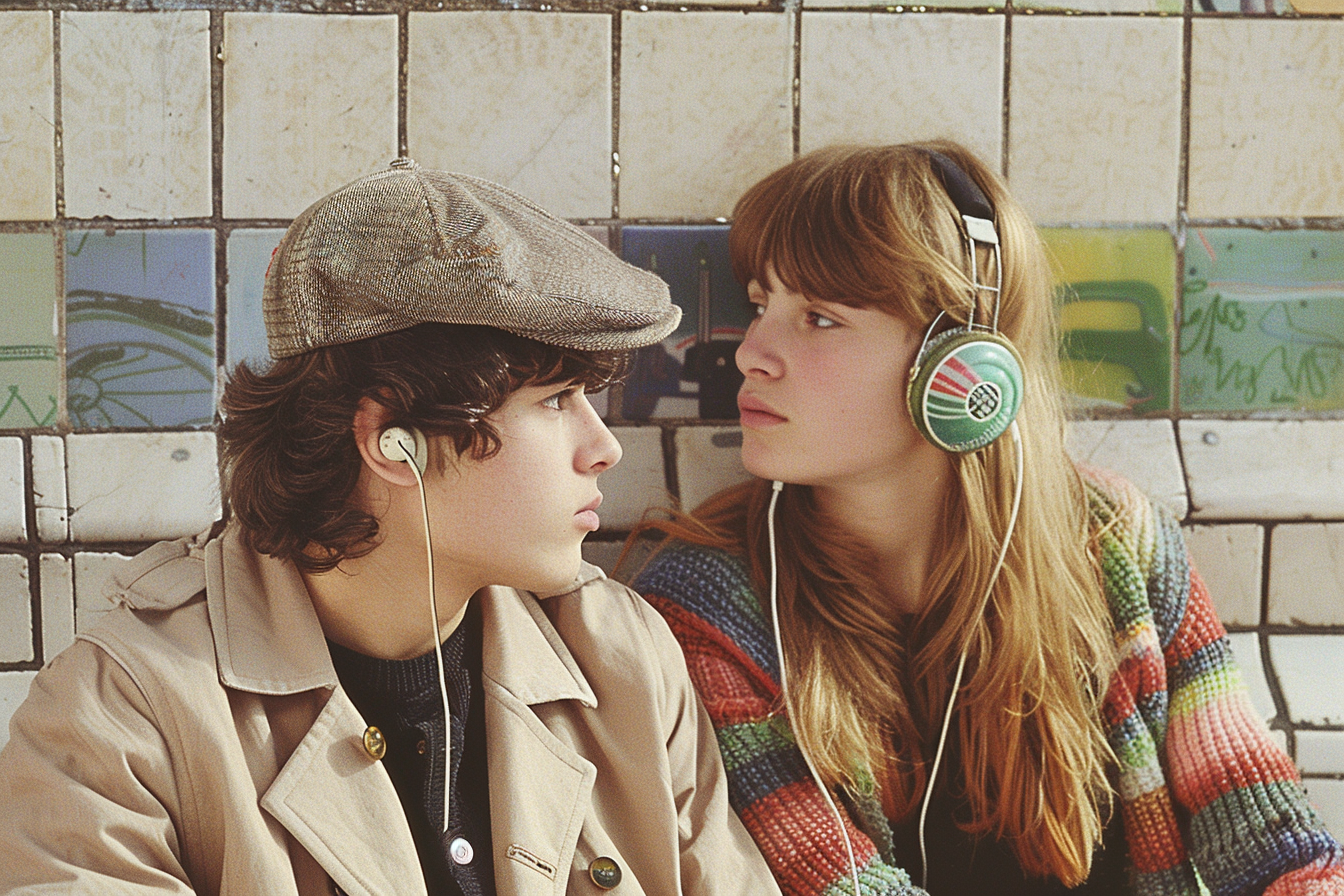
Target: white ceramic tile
<point>705,109</point>
<point>1308,670</point>
<point>1320,752</point>
<point>1328,797</point>
<point>1095,142</point>
<point>93,581</point>
<point>27,116</point>
<point>135,111</point>
<point>1306,574</point>
<point>637,482</point>
<point>142,486</point>
<point>13,690</point>
<point>1143,451</point>
<point>1230,558</point>
<point>58,604</point>
<point>310,104</point>
<point>603,553</point>
<point>1265,469</point>
<point>709,459</point>
<point>521,98</point>
<point>1265,128</point>
<point>924,90</point>
<point>1246,650</point>
<point>16,610</point>
<point>49,491</point>
<point>13,506</point>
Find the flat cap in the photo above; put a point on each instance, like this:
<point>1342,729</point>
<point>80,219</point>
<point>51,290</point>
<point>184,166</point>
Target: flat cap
<point>410,245</point>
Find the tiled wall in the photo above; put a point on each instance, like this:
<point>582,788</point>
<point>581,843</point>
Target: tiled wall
<point>1184,164</point>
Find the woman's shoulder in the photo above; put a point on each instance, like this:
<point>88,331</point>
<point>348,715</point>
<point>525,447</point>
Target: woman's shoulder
<point>706,592</point>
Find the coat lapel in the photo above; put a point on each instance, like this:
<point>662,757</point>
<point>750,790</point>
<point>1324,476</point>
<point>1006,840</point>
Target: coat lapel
<point>540,787</point>
<point>340,805</point>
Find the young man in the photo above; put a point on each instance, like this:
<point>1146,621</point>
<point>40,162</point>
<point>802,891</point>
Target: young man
<point>267,712</point>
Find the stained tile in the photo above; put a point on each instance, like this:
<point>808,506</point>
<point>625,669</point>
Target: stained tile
<point>1095,143</point>
<point>1143,451</point>
<point>135,111</point>
<point>1263,320</point>
<point>1240,469</point>
<point>925,91</point>
<point>94,582</point>
<point>1107,6</point>
<point>1320,752</point>
<point>1246,650</point>
<point>691,373</point>
<point>1306,574</point>
<point>1264,124</point>
<point>1116,294</point>
<point>27,116</point>
<point>709,459</point>
<point>521,98</point>
<point>13,513</point>
<point>16,610</point>
<point>637,482</point>
<point>140,328</point>
<point>1327,795</point>
<point>142,486</point>
<point>49,491</point>
<point>1229,558</point>
<point>29,375</point>
<point>888,6</point>
<point>58,604</point>
<point>249,255</point>
<point>310,104</point>
<point>688,147</point>
<point>1308,670</point>
<point>13,691</point>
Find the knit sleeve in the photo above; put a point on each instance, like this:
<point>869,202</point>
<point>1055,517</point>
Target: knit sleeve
<point>1251,829</point>
<point>708,601</point>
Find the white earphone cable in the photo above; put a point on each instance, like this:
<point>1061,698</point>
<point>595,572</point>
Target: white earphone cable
<point>961,662</point>
<point>434,616</point>
<point>776,488</point>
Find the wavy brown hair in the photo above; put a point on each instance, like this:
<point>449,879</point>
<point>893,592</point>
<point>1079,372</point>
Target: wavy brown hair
<point>289,462</point>
<point>874,227</point>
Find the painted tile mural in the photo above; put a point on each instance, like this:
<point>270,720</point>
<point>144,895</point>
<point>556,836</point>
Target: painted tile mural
<point>249,254</point>
<point>29,377</point>
<point>1116,295</point>
<point>1263,320</point>
<point>690,373</point>
<point>140,328</point>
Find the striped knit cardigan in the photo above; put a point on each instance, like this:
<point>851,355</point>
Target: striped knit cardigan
<point>1200,783</point>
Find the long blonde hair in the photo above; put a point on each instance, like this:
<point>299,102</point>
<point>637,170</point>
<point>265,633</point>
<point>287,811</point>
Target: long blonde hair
<point>874,227</point>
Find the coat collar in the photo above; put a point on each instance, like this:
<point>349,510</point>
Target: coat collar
<point>268,639</point>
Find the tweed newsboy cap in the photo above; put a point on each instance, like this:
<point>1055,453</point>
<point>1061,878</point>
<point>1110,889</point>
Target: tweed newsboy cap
<point>409,245</point>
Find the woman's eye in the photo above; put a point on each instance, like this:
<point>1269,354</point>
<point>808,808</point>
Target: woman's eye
<point>820,321</point>
<point>757,308</point>
<point>555,401</point>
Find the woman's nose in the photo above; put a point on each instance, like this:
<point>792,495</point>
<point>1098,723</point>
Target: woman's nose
<point>757,354</point>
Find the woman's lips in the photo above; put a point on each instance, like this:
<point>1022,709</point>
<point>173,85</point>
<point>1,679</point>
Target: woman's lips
<point>587,517</point>
<point>756,414</point>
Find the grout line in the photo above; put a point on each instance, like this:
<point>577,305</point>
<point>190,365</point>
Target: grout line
<point>403,80</point>
<point>796,84</point>
<point>1004,123</point>
<point>616,36</point>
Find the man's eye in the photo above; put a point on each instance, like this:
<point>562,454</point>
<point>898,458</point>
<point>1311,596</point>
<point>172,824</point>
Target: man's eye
<point>820,321</point>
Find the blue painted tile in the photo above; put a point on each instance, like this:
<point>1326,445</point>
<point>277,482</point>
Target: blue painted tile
<point>29,376</point>
<point>1262,323</point>
<point>140,309</point>
<point>249,255</point>
<point>691,373</point>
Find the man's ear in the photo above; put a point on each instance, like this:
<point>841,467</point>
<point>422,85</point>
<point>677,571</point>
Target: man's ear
<point>371,418</point>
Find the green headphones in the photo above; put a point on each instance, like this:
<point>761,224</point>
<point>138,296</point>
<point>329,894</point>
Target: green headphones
<point>966,383</point>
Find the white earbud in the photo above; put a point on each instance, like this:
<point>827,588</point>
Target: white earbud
<point>400,444</point>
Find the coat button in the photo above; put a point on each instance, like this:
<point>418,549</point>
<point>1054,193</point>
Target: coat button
<point>374,742</point>
<point>461,851</point>
<point>605,872</point>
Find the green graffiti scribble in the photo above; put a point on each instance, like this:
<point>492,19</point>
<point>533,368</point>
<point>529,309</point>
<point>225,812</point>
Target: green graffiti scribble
<point>27,353</point>
<point>1312,369</point>
<point>16,399</point>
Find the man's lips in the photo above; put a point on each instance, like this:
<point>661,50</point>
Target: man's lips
<point>756,413</point>
<point>587,516</point>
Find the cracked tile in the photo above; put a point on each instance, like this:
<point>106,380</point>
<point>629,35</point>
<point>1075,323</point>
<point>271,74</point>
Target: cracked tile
<point>1143,451</point>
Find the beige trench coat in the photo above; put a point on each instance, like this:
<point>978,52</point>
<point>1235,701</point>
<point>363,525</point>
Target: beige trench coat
<point>198,741</point>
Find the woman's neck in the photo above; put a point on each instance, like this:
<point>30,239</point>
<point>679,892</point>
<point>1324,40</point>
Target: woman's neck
<point>896,516</point>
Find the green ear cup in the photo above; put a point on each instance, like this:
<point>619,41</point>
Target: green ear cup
<point>965,389</point>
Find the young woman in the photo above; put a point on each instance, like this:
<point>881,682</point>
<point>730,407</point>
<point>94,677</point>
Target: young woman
<point>1002,663</point>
